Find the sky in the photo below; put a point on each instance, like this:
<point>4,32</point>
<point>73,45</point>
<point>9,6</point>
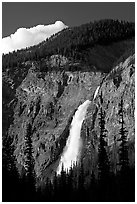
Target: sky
<point>29,14</point>
<point>25,24</point>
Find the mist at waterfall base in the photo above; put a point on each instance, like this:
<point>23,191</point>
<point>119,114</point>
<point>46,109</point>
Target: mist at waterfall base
<point>71,152</point>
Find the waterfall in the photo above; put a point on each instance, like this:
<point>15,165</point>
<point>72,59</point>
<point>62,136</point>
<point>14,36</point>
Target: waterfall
<point>96,92</point>
<point>71,152</point>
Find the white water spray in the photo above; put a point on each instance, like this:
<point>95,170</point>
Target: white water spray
<point>72,149</point>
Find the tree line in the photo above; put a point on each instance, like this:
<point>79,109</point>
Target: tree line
<point>75,184</point>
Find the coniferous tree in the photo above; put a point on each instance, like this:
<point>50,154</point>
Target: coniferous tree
<point>55,187</point>
<point>81,189</point>
<point>29,177</point>
<point>126,179</point>
<point>10,177</point>
<point>70,183</point>
<point>92,189</point>
<point>103,161</point>
<point>123,149</point>
<point>48,190</point>
<point>115,155</point>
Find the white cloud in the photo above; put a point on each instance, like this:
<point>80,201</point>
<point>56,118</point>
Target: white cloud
<point>25,37</point>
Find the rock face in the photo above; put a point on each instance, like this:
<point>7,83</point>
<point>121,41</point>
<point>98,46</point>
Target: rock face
<point>119,83</point>
<point>47,102</point>
<point>57,61</point>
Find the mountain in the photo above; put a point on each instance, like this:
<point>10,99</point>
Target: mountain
<point>44,85</point>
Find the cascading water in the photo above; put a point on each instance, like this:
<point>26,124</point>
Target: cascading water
<point>96,92</point>
<point>72,149</point>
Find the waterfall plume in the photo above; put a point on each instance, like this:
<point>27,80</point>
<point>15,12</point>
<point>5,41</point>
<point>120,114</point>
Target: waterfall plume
<point>96,92</point>
<point>71,152</point>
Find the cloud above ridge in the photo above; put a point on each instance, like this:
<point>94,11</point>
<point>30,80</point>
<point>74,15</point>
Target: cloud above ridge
<point>26,37</point>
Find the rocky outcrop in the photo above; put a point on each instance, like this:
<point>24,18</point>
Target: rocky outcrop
<point>57,61</point>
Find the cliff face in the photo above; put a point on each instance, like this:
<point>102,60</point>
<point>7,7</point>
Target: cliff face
<point>47,101</point>
<point>46,105</point>
<point>119,83</point>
